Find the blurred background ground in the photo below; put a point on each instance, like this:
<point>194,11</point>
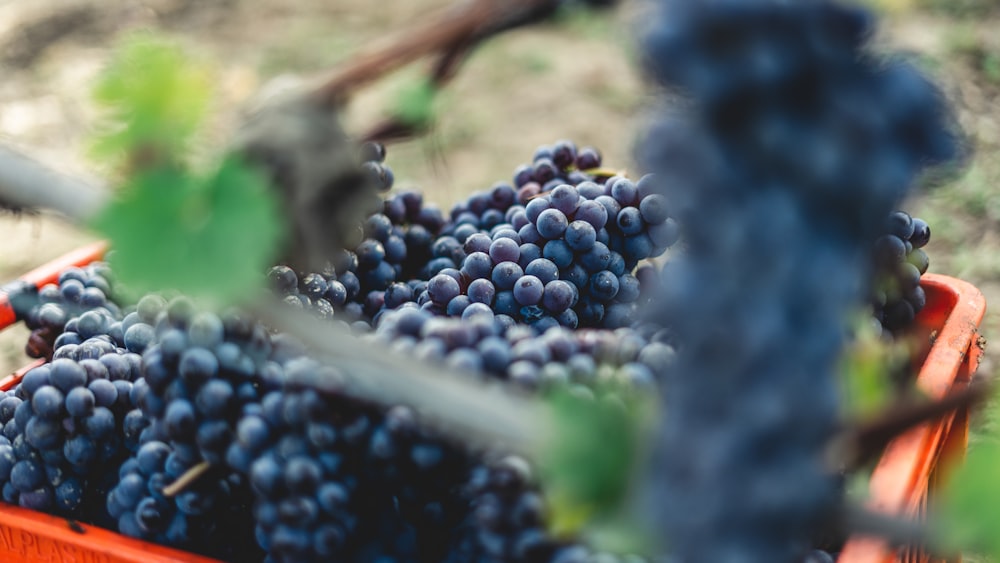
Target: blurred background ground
<point>574,78</point>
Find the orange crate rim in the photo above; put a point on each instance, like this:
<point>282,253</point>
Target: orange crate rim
<point>912,465</point>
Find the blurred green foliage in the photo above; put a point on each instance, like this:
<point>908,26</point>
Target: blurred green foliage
<point>154,98</point>
<point>414,104</point>
<point>589,466</point>
<point>209,234</point>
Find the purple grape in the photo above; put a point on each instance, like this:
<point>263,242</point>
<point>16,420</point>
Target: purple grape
<point>629,220</point>
<point>558,296</point>
<point>528,290</point>
<point>653,209</point>
<point>588,158</point>
<point>505,274</point>
<point>551,224</point>
<point>477,265</point>
<point>580,236</point>
<point>442,288</point>
<point>558,252</point>
<point>504,250</point>
<point>481,291</point>
<point>543,269</point>
<point>535,207</point>
<point>565,198</point>
<point>478,242</point>
<point>604,285</point>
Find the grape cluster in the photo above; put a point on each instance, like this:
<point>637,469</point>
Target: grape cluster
<point>335,479</point>
<point>75,416</point>
<point>559,163</point>
<point>794,148</point>
<point>899,262</point>
<point>201,374</point>
<point>70,420</point>
<point>480,343</point>
<point>563,252</point>
<point>507,520</point>
<point>50,310</point>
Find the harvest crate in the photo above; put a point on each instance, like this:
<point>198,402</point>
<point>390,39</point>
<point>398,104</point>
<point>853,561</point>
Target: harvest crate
<point>908,471</point>
<point>914,463</point>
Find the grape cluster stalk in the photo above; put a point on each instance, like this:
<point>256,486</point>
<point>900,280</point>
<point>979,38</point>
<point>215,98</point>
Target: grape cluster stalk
<point>793,146</point>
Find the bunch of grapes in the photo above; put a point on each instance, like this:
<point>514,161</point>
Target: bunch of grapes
<point>69,421</point>
<point>50,310</point>
<point>562,253</point>
<point>899,262</point>
<point>508,518</point>
<point>216,505</point>
<point>795,147</point>
<point>479,344</point>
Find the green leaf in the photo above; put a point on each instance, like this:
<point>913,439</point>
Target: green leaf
<point>415,104</point>
<point>865,370</point>
<point>210,237</point>
<point>588,466</point>
<point>155,97</point>
<point>969,506</point>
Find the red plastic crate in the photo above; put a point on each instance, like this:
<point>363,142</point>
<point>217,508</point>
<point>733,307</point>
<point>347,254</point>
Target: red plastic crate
<point>913,464</point>
<point>908,471</point>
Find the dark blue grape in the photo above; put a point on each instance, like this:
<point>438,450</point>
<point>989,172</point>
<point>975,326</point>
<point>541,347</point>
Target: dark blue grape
<point>397,294</point>
<point>457,305</point>
<point>44,434</point>
<point>580,236</point>
<point>505,304</point>
<point>504,250</point>
<point>80,402</point>
<point>551,224</point>
<point>653,209</point>
<point>529,235</point>
<point>558,252</point>
<point>528,290</point>
<point>596,259</point>
<point>565,198</point>
<point>535,207</point>
<point>27,475</point>
<point>47,402</point>
<point>629,220</point>
<point>588,158</point>
<point>180,419</point>
<point>921,233</point>
<point>481,291</point>
<point>442,288</point>
<point>66,375</point>
<point>543,269</point>
<point>138,337</point>
<point>505,274</point>
<point>558,296</point>
<point>625,193</point>
<point>197,366</point>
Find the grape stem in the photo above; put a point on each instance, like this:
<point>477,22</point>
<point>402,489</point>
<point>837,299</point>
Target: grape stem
<point>861,441</point>
<point>896,531</point>
<point>187,479</point>
<point>456,29</point>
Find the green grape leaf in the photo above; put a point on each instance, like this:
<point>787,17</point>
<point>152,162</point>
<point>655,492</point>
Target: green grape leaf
<point>865,369</point>
<point>588,466</point>
<point>415,104</point>
<point>968,506</point>
<point>210,237</point>
<point>155,98</point>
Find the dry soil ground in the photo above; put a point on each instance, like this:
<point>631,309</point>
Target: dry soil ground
<point>575,78</point>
